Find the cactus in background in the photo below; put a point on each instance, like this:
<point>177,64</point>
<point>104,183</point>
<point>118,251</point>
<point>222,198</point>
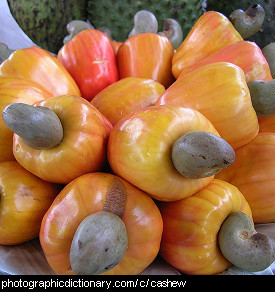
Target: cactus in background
<point>119,15</point>
<point>44,21</point>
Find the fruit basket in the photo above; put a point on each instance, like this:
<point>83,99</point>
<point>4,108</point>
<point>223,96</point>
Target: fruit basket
<point>31,252</point>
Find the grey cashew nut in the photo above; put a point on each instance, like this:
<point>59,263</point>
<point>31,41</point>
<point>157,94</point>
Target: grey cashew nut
<point>74,27</point>
<point>248,22</point>
<point>263,97</point>
<point>243,246</point>
<point>144,21</point>
<point>99,244</point>
<point>269,53</point>
<point>173,31</point>
<point>38,127</point>
<point>199,154</point>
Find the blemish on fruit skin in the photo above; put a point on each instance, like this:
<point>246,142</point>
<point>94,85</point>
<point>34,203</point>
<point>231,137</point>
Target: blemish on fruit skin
<point>116,196</point>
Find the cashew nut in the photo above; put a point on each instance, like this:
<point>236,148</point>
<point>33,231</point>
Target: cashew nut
<point>173,31</point>
<point>200,154</point>
<point>144,21</point>
<point>99,244</point>
<point>248,22</point>
<point>263,97</point>
<point>243,246</point>
<point>39,127</point>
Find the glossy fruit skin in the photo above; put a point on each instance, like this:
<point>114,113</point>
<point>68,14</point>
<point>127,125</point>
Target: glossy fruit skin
<point>25,199</point>
<point>219,91</point>
<point>88,194</point>
<point>247,55</point>
<point>139,150</point>
<point>191,225</point>
<point>12,90</point>
<point>42,67</point>
<point>83,148</point>
<point>90,58</point>
<point>146,55</point>
<point>253,173</point>
<point>210,33</point>
<point>126,96</point>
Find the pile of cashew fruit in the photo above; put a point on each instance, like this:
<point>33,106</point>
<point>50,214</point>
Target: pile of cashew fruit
<point>114,153</point>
